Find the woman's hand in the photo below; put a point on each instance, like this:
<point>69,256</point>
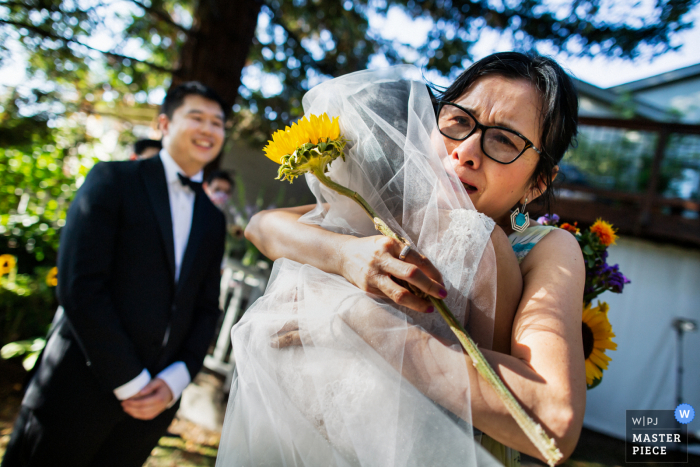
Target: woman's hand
<point>371,262</point>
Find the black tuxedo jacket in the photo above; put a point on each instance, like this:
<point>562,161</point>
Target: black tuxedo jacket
<point>123,310</point>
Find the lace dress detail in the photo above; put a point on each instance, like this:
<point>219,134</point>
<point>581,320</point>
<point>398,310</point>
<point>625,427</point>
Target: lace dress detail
<point>465,237</point>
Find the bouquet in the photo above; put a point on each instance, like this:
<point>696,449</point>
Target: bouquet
<point>600,277</point>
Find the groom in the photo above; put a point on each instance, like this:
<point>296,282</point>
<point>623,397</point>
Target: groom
<point>139,285</point>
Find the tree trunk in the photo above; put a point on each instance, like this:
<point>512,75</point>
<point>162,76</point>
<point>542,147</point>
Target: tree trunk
<point>216,50</point>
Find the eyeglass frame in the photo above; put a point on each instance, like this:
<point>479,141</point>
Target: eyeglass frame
<point>478,126</point>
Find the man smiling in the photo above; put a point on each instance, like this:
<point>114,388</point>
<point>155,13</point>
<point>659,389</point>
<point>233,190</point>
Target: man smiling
<point>138,287</point>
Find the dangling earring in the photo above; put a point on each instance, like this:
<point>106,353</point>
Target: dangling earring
<point>519,219</point>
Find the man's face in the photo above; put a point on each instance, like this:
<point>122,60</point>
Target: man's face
<point>219,191</point>
<point>194,135</point>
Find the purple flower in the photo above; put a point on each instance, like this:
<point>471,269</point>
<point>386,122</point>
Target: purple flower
<point>548,220</point>
<point>616,280</point>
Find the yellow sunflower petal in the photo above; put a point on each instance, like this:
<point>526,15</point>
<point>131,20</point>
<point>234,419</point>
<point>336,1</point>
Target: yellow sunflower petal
<point>309,129</point>
<point>605,344</point>
<point>592,372</point>
<point>335,128</point>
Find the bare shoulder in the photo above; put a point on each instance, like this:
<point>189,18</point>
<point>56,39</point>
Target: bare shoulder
<point>557,251</point>
<point>505,256</point>
<point>499,237</point>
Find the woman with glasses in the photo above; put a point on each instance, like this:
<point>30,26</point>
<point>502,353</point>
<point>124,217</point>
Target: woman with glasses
<point>505,124</point>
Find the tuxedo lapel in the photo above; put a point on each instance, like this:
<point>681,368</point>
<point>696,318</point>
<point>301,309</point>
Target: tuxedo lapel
<point>153,177</point>
<point>196,233</point>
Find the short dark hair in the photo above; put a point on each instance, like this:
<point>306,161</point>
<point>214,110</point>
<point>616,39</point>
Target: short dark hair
<point>143,144</point>
<point>559,110</point>
<point>176,97</point>
<point>219,175</point>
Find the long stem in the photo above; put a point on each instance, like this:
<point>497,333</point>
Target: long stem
<point>534,431</point>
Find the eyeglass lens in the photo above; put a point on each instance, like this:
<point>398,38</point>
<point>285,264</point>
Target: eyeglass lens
<point>498,144</point>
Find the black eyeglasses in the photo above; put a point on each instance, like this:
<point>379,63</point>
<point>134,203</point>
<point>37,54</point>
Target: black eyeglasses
<point>501,144</point>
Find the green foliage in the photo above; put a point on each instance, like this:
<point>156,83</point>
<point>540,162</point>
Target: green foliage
<point>621,161</point>
<point>299,43</point>
<point>40,169</point>
<point>27,305</point>
<point>608,162</point>
<point>30,349</point>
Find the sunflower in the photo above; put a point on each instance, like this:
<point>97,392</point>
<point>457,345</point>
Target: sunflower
<point>52,277</point>
<point>286,142</point>
<point>604,231</point>
<point>7,264</point>
<point>597,337</point>
<point>309,145</point>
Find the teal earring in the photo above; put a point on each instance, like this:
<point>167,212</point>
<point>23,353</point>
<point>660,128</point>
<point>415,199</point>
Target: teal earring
<point>519,219</point>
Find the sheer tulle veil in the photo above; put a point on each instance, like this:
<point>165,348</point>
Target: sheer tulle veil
<point>365,387</point>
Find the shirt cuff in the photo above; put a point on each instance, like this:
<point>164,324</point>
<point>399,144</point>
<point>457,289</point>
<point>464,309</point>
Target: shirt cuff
<point>177,377</point>
<point>133,387</point>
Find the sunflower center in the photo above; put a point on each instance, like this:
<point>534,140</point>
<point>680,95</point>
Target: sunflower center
<point>588,340</point>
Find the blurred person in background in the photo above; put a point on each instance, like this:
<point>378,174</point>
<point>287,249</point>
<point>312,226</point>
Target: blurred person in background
<point>145,149</point>
<point>218,186</point>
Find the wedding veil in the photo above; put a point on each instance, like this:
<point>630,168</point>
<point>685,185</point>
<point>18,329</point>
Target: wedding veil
<point>372,383</point>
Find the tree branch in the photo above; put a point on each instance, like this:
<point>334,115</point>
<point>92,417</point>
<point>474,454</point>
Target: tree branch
<point>161,14</point>
<point>50,35</point>
<point>323,67</point>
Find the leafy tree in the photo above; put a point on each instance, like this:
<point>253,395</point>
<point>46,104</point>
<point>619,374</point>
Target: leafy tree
<point>93,57</point>
<point>41,164</point>
<point>128,47</point>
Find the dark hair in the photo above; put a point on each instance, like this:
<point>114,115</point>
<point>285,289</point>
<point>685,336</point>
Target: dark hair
<point>219,175</point>
<point>559,110</point>
<point>143,144</point>
<point>176,97</point>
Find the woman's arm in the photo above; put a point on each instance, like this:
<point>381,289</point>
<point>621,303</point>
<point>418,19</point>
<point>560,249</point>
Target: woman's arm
<point>545,370</point>
<point>367,262</point>
<point>509,289</point>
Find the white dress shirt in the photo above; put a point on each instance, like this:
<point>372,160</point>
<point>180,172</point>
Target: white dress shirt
<point>182,198</point>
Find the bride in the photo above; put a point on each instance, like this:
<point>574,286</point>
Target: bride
<point>338,364</point>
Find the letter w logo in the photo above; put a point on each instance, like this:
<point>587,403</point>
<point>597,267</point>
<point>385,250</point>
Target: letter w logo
<point>684,413</point>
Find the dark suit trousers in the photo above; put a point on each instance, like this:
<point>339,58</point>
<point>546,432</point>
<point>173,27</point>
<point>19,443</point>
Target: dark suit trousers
<point>79,424</point>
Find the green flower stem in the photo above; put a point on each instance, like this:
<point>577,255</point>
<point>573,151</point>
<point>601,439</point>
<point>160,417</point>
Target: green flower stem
<point>379,224</point>
<point>533,430</point>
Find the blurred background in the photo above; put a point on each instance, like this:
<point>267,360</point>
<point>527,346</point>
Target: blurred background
<point>82,80</point>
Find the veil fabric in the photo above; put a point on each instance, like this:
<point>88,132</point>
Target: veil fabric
<point>372,383</point>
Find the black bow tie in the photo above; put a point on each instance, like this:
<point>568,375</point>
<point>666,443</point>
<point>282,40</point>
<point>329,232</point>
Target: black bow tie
<point>195,186</point>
